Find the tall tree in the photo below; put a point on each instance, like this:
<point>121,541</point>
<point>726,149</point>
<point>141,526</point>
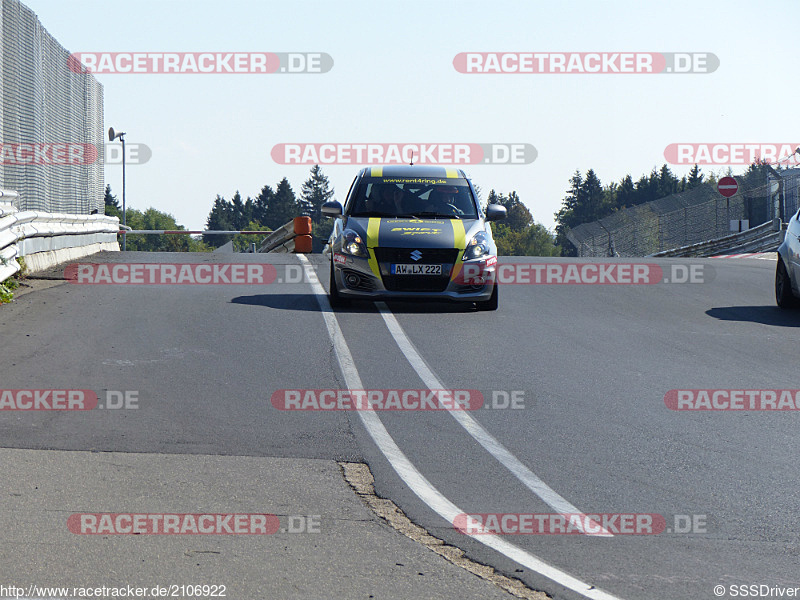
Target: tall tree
<point>566,217</point>
<point>695,178</point>
<point>626,193</point>
<point>112,207</point>
<point>667,182</point>
<point>315,192</point>
<point>262,203</point>
<point>242,211</point>
<point>221,218</point>
<point>284,206</point>
<point>592,198</point>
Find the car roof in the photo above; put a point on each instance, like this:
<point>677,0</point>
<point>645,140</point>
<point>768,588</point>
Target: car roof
<point>412,171</point>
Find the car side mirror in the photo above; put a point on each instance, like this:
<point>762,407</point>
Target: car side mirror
<point>495,212</point>
<point>332,209</point>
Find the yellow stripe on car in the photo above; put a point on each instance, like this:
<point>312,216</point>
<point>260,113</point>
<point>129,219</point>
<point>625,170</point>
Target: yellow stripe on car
<point>459,241</point>
<point>377,172</point>
<point>373,229</point>
<point>451,173</point>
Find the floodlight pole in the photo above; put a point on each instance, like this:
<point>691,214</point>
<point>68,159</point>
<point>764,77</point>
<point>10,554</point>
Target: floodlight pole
<point>113,135</point>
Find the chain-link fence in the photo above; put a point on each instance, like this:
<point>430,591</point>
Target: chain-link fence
<point>690,217</point>
<point>785,192</point>
<point>44,103</point>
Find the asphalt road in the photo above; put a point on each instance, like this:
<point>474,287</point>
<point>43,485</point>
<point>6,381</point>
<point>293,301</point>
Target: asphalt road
<point>592,363</point>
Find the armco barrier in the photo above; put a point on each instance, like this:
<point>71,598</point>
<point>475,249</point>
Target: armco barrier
<point>765,237</point>
<point>46,239</point>
<point>295,236</point>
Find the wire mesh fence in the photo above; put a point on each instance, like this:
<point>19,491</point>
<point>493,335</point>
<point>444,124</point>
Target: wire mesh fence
<point>45,103</point>
<point>690,217</point>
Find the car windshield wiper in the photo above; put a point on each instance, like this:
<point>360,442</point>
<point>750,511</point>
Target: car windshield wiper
<point>372,213</point>
<point>433,215</point>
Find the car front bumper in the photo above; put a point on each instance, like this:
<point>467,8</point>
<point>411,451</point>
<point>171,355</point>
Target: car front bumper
<point>473,281</point>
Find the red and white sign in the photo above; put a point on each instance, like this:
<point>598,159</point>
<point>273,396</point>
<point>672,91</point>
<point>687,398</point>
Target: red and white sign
<point>727,186</point>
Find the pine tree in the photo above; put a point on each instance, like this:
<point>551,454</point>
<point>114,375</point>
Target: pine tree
<point>567,218</point>
<point>284,206</point>
<point>315,192</point>
<point>667,182</point>
<point>241,212</point>
<point>626,193</point>
<point>112,207</point>
<point>220,218</point>
<point>695,178</point>
<point>262,203</point>
<point>591,198</point>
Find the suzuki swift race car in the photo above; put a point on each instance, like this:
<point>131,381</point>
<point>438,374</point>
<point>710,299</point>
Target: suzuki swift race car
<point>413,232</point>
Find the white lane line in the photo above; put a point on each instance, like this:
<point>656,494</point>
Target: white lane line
<point>527,477</point>
<point>411,476</point>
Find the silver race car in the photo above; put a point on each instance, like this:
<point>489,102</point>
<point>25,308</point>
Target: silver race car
<point>413,232</point>
<point>787,271</point>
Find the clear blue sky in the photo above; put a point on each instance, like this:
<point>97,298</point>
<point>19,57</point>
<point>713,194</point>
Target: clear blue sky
<point>393,81</point>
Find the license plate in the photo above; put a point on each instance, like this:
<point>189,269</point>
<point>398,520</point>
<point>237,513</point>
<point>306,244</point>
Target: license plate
<point>400,269</point>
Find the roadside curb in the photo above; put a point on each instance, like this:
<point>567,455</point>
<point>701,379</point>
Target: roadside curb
<point>360,478</point>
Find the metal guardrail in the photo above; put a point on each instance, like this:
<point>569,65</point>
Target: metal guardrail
<point>295,236</point>
<point>28,232</point>
<point>767,236</point>
<point>130,231</point>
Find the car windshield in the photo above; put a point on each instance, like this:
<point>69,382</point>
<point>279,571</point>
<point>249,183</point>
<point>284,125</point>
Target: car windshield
<point>420,198</point>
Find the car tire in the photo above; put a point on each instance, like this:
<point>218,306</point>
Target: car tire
<point>783,287</point>
<point>491,303</point>
<point>334,298</point>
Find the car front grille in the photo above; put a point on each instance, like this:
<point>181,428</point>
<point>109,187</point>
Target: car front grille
<point>416,283</point>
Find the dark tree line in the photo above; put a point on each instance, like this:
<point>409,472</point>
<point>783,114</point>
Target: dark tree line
<point>271,208</point>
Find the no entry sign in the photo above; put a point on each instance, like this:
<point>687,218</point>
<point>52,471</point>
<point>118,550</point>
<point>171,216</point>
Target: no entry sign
<point>727,186</point>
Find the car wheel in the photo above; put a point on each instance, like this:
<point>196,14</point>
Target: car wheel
<point>783,287</point>
<point>335,300</point>
<point>491,303</point>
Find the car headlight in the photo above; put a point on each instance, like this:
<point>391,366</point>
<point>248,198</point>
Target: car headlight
<point>478,246</point>
<point>354,245</point>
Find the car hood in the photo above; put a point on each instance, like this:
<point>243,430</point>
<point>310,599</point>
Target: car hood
<point>394,232</point>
